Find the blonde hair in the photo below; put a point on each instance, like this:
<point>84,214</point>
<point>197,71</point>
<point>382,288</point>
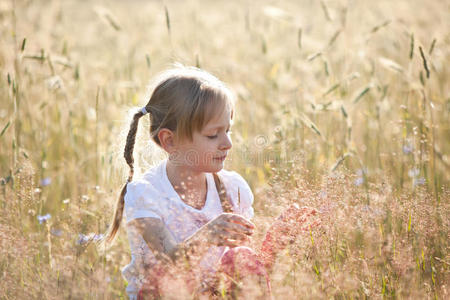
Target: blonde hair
<point>184,100</point>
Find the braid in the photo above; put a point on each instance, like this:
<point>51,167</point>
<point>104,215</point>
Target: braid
<point>128,155</point>
<point>129,147</point>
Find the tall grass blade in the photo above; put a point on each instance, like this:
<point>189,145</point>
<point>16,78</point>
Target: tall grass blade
<point>314,56</point>
<point>433,43</point>
<point>23,44</point>
<point>147,59</point>
<point>334,38</point>
<point>166,11</point>
<point>411,48</point>
<point>390,64</point>
<point>325,11</point>
<point>425,64</point>
<point>360,95</point>
<point>344,112</point>
<point>5,128</point>
<point>340,161</point>
<point>378,27</point>
<point>310,124</point>
<point>299,38</point>
<point>331,89</point>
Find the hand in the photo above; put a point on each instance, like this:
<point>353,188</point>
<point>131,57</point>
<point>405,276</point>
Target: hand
<point>228,230</point>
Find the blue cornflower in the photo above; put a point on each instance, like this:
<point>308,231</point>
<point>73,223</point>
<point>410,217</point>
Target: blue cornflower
<point>359,181</point>
<point>86,238</point>
<point>46,181</point>
<point>56,232</point>
<point>408,148</point>
<point>44,218</point>
<point>419,181</point>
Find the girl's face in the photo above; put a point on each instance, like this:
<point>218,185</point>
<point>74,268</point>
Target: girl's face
<point>209,147</point>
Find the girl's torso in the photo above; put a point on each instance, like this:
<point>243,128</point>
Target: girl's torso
<point>154,196</point>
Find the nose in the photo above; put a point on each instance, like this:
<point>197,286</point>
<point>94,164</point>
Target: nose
<point>226,143</point>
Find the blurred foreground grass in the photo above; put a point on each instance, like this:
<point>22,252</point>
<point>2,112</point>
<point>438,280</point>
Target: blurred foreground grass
<point>342,105</point>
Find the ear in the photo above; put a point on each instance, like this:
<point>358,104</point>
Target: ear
<point>167,139</point>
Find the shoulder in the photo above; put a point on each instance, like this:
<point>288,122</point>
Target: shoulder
<point>143,200</point>
<point>146,184</point>
<point>140,187</point>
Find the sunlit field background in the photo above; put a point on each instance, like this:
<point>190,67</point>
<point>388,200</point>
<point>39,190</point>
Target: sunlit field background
<point>341,105</point>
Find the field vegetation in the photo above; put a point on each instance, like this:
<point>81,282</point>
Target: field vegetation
<point>341,105</point>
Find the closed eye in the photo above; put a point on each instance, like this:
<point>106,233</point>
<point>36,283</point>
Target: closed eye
<point>211,137</point>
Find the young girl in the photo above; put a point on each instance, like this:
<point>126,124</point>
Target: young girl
<point>187,218</point>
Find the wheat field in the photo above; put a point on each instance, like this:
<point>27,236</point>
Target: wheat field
<point>341,105</point>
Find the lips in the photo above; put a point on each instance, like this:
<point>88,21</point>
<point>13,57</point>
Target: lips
<point>221,158</point>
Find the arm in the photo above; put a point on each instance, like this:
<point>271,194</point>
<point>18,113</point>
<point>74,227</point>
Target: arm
<point>161,241</point>
<point>226,229</point>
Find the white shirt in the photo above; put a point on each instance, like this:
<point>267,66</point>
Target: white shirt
<point>154,196</point>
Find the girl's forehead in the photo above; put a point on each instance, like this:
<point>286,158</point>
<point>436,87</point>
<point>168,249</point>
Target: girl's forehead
<point>220,120</point>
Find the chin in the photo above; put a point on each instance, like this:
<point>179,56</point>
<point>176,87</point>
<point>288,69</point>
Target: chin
<point>215,167</point>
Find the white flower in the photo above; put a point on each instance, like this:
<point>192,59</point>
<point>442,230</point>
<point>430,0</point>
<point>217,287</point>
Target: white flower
<point>413,172</point>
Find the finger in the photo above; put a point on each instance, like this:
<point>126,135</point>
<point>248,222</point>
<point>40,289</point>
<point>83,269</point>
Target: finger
<point>230,239</point>
<point>240,220</point>
<point>235,236</point>
<point>220,238</point>
<point>235,243</point>
<point>238,228</point>
<point>231,243</point>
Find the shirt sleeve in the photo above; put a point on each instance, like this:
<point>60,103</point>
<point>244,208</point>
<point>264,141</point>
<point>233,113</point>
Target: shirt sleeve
<point>142,201</point>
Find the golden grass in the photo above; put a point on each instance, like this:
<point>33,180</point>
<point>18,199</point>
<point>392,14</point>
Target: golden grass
<point>343,106</point>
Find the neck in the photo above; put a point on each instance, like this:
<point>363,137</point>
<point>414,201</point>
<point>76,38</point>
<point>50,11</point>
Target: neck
<point>185,180</point>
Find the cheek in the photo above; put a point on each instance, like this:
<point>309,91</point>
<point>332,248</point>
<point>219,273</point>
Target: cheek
<point>207,144</point>
<point>209,149</point>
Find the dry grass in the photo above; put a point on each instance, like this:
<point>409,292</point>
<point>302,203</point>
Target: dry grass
<point>342,105</point>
